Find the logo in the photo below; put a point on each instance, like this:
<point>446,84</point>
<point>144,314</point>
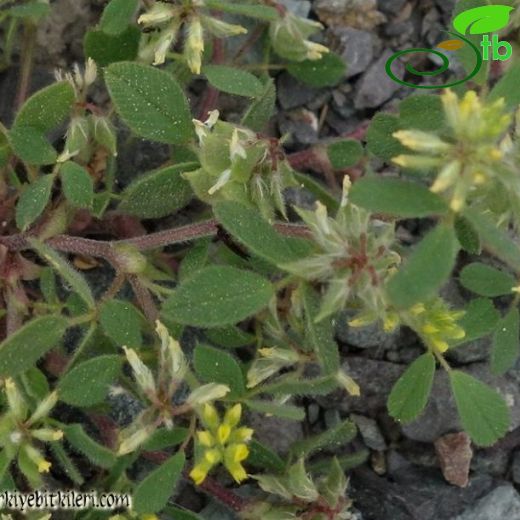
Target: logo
<point>480,20</point>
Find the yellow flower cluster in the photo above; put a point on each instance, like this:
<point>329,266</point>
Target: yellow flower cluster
<point>222,442</point>
<point>436,324</point>
<point>469,157</point>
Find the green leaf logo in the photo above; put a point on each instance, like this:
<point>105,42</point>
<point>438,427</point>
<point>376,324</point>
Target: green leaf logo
<point>481,20</point>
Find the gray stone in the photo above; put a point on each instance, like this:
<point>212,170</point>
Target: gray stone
<point>376,87</point>
<point>301,125</point>
<point>357,49</point>
<point>503,502</point>
<point>515,467</point>
<point>370,336</point>
<point>298,7</point>
<point>415,494</point>
<point>375,379</point>
<point>278,434</point>
<point>493,461</point>
<point>476,350</point>
<point>370,432</point>
<point>293,93</point>
<point>391,7</point>
<point>440,415</point>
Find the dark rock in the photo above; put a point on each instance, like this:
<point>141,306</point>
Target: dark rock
<point>417,493</point>
<point>301,125</point>
<point>515,467</point>
<point>390,7</point>
<point>370,432</point>
<point>376,87</point>
<point>375,379</point>
<point>493,461</point>
<point>357,49</point>
<point>279,434</point>
<point>293,93</point>
<point>370,336</point>
<point>503,502</point>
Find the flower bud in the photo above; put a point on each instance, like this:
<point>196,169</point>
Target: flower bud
<point>77,141</point>
<point>143,375</point>
<point>104,133</point>
<point>207,393</point>
<point>129,259</point>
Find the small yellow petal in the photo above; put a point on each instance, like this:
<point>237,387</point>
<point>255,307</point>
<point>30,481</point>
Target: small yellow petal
<point>223,433</point>
<point>44,466</point>
<point>233,415</point>
<point>205,438</point>
<point>198,474</point>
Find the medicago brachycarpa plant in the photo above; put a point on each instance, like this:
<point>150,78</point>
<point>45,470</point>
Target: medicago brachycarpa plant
<point>261,283</point>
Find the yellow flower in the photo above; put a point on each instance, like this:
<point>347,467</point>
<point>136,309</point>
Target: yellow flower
<point>222,442</point>
<point>436,324</point>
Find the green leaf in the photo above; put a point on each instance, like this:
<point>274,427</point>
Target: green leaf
<point>423,112</point>
<point>380,140</point>
<point>33,11</point>
<point>284,411</point>
<point>65,270</point>
<point>507,88</point>
<point>248,226</point>
<point>486,280</point>
<point>165,438</point>
<point>484,19</point>
<point>152,493</point>
<point>427,268</point>
<point>396,197</point>
<point>301,386</point>
<point>121,322</point>
<point>318,190</point>
<point>117,15</point>
<point>262,12</point>
<point>31,146</point>
<point>70,469</point>
<point>33,201</point>
<point>494,239</point>
<point>77,184</point>
<point>344,154</point>
<point>195,259</point>
<point>230,337</point>
<point>483,412</point>
<point>158,193</point>
<point>327,72</point>
<point>22,349</point>
<point>480,319</point>
<point>87,384</point>
<point>506,345</point>
<point>412,390</point>
<point>338,435</point>
<point>263,457</point>
<point>105,49</point>
<point>217,296</point>
<point>83,443</point>
<point>234,81</point>
<point>215,366</point>
<point>261,109</point>
<point>180,513</point>
<point>320,335</point>
<point>150,102</point>
<point>467,236</point>
<point>48,108</point>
